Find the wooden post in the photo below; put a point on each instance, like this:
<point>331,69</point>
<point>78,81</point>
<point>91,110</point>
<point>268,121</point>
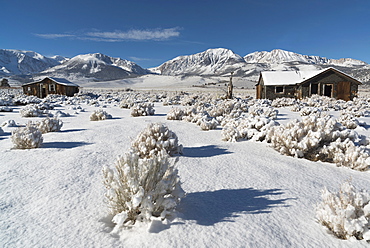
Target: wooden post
<point>230,87</point>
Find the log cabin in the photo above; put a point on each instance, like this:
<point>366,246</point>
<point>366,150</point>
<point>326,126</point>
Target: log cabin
<point>300,84</point>
<point>50,85</point>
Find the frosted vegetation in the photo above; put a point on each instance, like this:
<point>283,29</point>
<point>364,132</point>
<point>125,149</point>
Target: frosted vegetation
<point>144,185</point>
<point>27,137</point>
<point>345,213</point>
<point>99,115</point>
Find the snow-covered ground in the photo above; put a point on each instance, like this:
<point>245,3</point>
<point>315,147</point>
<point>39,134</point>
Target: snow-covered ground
<point>242,194</point>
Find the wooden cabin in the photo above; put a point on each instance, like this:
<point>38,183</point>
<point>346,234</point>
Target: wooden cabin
<point>300,84</point>
<point>50,85</point>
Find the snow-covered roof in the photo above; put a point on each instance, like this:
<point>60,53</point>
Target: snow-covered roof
<point>292,77</point>
<point>287,77</point>
<point>61,81</point>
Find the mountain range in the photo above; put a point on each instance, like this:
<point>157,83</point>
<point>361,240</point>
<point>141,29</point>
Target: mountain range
<point>25,66</point>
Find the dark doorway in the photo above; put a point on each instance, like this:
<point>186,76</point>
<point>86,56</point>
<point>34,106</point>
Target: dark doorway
<point>328,88</point>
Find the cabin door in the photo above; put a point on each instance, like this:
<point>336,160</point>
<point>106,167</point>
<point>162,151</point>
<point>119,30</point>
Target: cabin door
<point>328,90</point>
<point>344,91</point>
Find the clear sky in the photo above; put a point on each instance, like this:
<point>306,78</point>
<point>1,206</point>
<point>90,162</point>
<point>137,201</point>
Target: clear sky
<point>150,32</point>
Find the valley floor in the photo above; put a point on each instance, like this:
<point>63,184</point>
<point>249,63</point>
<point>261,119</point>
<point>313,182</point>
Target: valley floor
<point>242,194</point>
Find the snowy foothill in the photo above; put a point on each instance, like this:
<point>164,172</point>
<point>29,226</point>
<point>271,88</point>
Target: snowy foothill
<point>240,191</point>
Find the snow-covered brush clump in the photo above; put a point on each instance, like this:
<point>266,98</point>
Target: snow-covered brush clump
<point>99,115</point>
<point>284,102</point>
<point>155,138</point>
<point>24,100</point>
<point>145,184</point>
<point>31,111</point>
<point>9,123</point>
<point>175,114</point>
<point>207,122</point>
<point>266,111</point>
<point>321,138</point>
<point>27,137</point>
<point>5,109</point>
<point>348,120</point>
<point>305,111</point>
<point>49,125</point>
<point>246,127</point>
<point>142,109</point>
<point>345,213</point>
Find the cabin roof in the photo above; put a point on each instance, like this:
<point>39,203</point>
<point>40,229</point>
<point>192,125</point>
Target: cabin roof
<point>61,81</point>
<point>277,78</point>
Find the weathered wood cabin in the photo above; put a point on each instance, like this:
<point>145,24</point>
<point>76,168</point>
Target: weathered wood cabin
<point>50,85</point>
<point>300,84</point>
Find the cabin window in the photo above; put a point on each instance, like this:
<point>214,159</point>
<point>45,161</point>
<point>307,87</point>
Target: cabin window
<point>279,89</point>
<point>51,87</point>
<point>314,89</point>
<point>28,88</point>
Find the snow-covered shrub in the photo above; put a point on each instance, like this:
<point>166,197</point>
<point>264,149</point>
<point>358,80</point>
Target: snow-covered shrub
<point>266,111</point>
<point>207,123</point>
<point>154,138</point>
<point>345,213</point>
<point>283,102</point>
<point>99,115</point>
<point>5,109</point>
<point>246,127</point>
<point>320,138</point>
<point>145,183</point>
<point>348,120</point>
<point>142,109</point>
<point>60,113</point>
<point>49,125</point>
<point>31,111</point>
<point>345,153</point>
<point>310,111</point>
<point>175,114</point>
<point>27,137</point>
<point>9,123</point>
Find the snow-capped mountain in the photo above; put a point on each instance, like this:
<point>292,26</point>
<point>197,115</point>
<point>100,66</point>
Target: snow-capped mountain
<point>95,66</point>
<point>279,56</point>
<point>222,61</point>
<point>17,62</point>
<point>210,62</point>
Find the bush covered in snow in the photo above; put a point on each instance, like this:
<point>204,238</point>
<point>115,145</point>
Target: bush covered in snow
<point>346,213</point>
<point>246,127</point>
<point>27,137</point>
<point>31,111</point>
<point>154,138</point>
<point>142,109</point>
<point>320,138</point>
<point>9,123</point>
<point>99,115</point>
<point>175,114</point>
<point>145,183</point>
<point>49,125</point>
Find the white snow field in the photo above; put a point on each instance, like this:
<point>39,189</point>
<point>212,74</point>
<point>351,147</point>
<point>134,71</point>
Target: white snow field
<point>239,194</point>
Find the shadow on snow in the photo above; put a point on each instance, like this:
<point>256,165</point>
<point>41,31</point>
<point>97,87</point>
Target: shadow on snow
<point>211,207</point>
<point>65,145</point>
<point>72,130</point>
<point>204,151</point>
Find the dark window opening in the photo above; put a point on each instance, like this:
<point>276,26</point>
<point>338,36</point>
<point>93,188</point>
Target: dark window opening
<point>279,89</point>
<point>314,89</point>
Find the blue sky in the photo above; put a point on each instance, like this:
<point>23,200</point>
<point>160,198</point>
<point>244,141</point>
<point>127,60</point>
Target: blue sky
<point>150,32</point>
